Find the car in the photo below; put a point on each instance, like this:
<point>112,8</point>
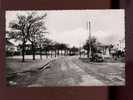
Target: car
<point>97,57</point>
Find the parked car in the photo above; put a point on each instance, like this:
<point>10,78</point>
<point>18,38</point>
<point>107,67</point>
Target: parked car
<point>97,57</point>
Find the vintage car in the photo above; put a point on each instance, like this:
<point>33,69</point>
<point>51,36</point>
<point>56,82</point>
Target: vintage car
<point>97,57</point>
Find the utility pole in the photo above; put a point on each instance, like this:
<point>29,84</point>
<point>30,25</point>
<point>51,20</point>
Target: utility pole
<point>89,28</point>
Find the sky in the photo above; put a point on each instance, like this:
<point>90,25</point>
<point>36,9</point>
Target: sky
<point>70,26</point>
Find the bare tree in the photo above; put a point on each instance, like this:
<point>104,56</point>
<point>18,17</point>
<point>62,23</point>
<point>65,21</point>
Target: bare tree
<point>47,46</point>
<point>40,40</point>
<point>35,27</point>
<point>25,28</point>
<point>19,32</point>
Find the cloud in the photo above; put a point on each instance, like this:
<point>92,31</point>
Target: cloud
<point>74,37</point>
<point>104,37</point>
<point>78,36</point>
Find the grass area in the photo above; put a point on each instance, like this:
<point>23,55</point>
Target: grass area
<point>15,66</point>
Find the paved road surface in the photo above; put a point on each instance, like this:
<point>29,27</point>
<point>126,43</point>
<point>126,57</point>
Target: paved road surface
<point>71,71</point>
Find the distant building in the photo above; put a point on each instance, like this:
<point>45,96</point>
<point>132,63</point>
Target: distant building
<point>104,49</point>
<point>10,46</point>
<point>120,45</point>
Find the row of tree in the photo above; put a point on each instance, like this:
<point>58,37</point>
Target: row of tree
<point>51,48</point>
<point>30,27</point>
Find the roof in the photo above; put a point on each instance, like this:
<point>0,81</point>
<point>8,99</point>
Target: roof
<point>9,43</point>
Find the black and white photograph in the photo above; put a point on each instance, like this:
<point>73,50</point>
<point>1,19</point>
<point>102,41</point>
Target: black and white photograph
<point>62,48</point>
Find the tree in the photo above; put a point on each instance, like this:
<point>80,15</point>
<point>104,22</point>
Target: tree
<point>65,48</point>
<point>25,28</point>
<point>62,47</point>
<point>93,44</point>
<point>35,27</point>
<point>47,44</point>
<point>50,47</point>
<point>56,48</point>
<point>19,32</point>
<point>74,50</point>
<point>40,40</point>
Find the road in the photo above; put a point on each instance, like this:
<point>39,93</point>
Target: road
<point>72,71</point>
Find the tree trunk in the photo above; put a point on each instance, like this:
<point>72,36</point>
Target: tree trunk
<point>67,52</point>
<point>46,53</point>
<point>64,52</point>
<point>55,53</point>
<point>80,53</point>
<point>88,53</point>
<point>40,53</point>
<point>33,51</point>
<point>58,52</point>
<point>51,53</point>
<point>61,52</point>
<point>23,52</point>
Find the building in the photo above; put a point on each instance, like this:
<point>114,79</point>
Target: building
<point>120,45</point>
<point>104,50</point>
<point>10,48</point>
